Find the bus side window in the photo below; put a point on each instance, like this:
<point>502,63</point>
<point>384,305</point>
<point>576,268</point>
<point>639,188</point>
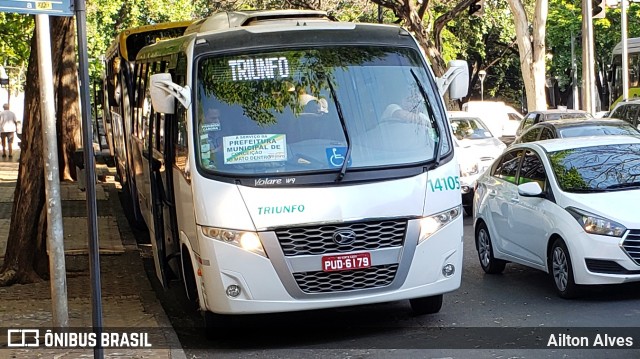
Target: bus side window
<point>181,141</point>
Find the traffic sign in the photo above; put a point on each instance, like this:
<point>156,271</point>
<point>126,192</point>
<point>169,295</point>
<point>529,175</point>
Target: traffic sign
<point>56,7</point>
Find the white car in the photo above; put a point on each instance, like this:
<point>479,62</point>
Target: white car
<point>476,148</point>
<point>568,207</point>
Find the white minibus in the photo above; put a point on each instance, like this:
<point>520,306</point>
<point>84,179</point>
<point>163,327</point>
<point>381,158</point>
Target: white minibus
<point>289,162</point>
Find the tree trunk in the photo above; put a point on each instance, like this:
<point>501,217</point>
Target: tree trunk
<point>65,81</point>
<point>26,259</point>
<point>532,51</point>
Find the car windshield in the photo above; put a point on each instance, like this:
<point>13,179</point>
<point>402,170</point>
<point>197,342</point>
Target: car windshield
<point>598,130</point>
<point>469,128</point>
<point>299,111</point>
<point>597,168</point>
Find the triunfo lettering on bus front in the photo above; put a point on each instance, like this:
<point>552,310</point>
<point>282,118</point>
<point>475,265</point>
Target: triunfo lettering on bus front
<point>259,68</point>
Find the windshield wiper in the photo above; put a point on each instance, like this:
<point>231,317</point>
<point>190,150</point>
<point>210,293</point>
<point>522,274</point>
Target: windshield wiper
<point>423,92</point>
<point>343,169</point>
<point>585,190</point>
<point>623,185</point>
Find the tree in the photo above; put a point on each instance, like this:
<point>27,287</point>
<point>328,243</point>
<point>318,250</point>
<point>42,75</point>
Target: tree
<point>14,46</point>
<point>25,258</point>
<point>532,48</point>
<point>566,17</point>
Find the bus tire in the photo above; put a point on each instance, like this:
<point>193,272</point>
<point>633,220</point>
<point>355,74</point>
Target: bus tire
<point>189,279</point>
<point>216,325</point>
<point>426,305</point>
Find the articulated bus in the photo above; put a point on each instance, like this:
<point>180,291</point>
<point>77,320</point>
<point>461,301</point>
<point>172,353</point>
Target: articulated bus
<point>290,162</point>
<point>118,91</point>
<point>615,76</point>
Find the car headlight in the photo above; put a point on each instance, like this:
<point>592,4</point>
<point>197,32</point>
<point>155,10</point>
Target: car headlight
<point>468,170</point>
<point>594,224</point>
<point>432,224</point>
<point>248,241</point>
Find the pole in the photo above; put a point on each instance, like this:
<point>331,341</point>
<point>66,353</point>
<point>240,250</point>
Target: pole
<point>55,236</point>
<point>588,75</point>
<point>89,165</point>
<point>574,74</point>
<point>625,51</point>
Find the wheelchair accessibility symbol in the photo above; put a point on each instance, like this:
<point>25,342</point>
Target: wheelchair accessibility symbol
<point>336,155</point>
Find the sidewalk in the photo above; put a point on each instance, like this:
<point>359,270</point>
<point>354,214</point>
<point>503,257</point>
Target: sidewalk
<point>128,301</point>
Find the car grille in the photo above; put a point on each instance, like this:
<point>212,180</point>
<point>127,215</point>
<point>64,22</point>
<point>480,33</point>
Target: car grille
<point>319,239</point>
<point>631,245</point>
<point>330,282</point>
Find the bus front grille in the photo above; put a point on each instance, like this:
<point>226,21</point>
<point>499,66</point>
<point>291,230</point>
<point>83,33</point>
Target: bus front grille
<point>315,240</point>
<point>331,282</point>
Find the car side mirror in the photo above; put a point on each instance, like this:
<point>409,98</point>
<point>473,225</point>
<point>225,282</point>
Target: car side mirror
<point>530,189</point>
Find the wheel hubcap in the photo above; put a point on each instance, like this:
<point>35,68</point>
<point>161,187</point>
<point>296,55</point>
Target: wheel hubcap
<point>560,269</point>
<point>484,248</point>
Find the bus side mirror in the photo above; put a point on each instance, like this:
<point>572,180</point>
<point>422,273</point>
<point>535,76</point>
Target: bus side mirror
<point>455,80</point>
<point>163,92</point>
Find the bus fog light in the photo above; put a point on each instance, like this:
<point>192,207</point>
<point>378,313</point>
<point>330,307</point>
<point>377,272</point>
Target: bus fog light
<point>448,270</point>
<point>233,291</point>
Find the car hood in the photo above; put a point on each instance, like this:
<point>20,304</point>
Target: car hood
<point>620,206</point>
<point>482,148</point>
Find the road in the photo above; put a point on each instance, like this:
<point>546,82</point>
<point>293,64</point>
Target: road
<point>490,316</point>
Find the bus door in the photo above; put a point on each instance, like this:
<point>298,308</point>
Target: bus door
<point>161,160</point>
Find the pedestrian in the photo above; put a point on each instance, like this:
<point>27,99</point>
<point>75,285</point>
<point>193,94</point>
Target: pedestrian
<point>8,126</point>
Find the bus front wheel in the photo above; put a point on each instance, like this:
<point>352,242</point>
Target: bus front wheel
<point>426,305</point>
<point>216,325</point>
<point>189,279</point>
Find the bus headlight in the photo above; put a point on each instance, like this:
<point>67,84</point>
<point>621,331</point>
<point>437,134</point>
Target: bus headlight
<point>249,241</point>
<point>432,224</point>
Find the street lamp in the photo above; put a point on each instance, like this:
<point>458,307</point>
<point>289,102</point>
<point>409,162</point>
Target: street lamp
<point>482,74</point>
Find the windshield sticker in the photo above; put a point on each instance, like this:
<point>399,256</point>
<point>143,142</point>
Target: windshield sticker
<point>281,209</point>
<point>259,69</point>
<point>207,127</point>
<point>255,148</point>
<point>335,156</point>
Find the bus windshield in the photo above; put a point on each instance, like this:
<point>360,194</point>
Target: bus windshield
<point>300,110</point>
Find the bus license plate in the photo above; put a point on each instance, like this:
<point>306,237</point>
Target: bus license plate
<point>346,262</point>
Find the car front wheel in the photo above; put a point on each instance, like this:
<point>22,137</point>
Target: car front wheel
<point>488,262</point>
<point>562,271</point>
